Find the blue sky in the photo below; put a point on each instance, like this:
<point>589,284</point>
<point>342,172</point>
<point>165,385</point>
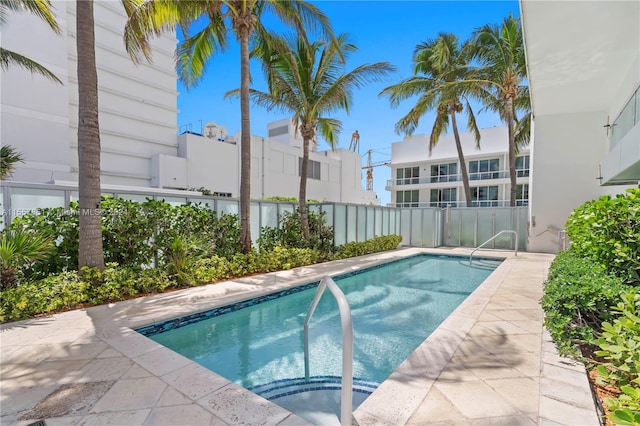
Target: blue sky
<point>383,31</point>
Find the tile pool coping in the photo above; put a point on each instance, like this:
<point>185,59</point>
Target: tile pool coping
<point>99,345</point>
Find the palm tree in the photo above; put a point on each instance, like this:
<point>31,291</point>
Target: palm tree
<point>8,158</point>
<point>445,86</point>
<point>90,251</point>
<point>500,53</point>
<point>243,19</point>
<point>40,8</point>
<point>308,80</point>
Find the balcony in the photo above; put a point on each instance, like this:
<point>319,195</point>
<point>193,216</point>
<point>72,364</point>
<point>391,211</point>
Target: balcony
<point>501,174</point>
<point>459,204</point>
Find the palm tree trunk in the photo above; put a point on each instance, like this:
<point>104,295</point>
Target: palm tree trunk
<point>512,152</point>
<point>304,173</point>
<point>90,248</point>
<point>245,143</point>
<point>463,164</point>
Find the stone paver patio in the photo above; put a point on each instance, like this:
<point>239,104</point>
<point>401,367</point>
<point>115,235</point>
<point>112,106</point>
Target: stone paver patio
<point>489,363</point>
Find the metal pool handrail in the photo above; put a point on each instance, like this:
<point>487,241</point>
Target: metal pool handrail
<point>347,345</point>
<point>508,231</point>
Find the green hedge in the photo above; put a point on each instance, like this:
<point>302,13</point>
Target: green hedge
<point>70,289</point>
<point>577,298</point>
<point>607,231</point>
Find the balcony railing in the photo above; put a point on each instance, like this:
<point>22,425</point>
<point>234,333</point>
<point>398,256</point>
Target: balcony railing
<point>501,174</point>
<point>456,204</point>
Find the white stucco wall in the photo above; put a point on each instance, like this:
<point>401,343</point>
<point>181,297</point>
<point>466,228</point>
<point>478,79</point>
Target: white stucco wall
<point>564,168</point>
<point>138,104</point>
<point>215,165</point>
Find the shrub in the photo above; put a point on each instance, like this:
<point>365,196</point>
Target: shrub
<point>19,249</point>
<point>375,245</point>
<point>576,300</point>
<point>607,231</point>
<point>620,347</point>
<point>48,295</point>
<point>290,235</point>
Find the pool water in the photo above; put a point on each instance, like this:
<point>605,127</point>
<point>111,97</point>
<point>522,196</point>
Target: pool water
<point>259,343</point>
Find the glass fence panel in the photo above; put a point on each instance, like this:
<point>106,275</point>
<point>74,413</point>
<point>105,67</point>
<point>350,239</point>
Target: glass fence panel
<point>25,200</point>
<point>439,215</point>
<point>377,230</point>
<point>624,122</point>
<point>370,222</point>
<point>340,225</point>
<point>352,223</point>
<point>523,218</point>
<point>203,202</point>
<point>452,236</point>
<point>385,222</point>
<point>228,207</point>
<point>468,227</point>
<point>174,201</point>
<point>486,228</point>
<point>361,234</point>
<point>427,227</point>
<point>416,228</point>
<point>255,221</point>
<point>282,208</point>
<point>404,217</point>
<point>503,220</point>
<point>328,213</point>
<point>268,215</point>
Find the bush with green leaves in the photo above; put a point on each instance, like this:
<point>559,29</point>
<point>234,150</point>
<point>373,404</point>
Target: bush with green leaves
<point>607,231</point>
<point>576,300</point>
<point>134,234</point>
<point>374,245</point>
<point>289,233</point>
<point>620,348</point>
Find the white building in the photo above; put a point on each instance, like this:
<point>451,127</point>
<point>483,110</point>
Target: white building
<point>138,105</point>
<point>138,116</point>
<point>212,161</point>
<point>584,74</point>
<point>423,180</point>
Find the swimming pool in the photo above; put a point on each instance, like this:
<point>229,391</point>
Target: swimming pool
<point>258,343</point>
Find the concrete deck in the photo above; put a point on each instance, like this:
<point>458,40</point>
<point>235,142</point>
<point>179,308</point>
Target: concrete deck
<point>489,363</point>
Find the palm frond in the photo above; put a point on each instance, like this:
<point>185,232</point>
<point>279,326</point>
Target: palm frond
<point>9,156</point>
<point>9,58</point>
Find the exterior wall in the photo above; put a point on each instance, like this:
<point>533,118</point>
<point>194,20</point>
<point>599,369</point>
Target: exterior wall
<point>575,157</point>
<point>138,110</point>
<point>274,170</point>
<point>565,158</point>
<point>413,152</point>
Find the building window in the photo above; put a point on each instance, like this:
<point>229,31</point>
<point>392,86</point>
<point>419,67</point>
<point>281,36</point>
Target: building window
<point>444,172</point>
<point>522,166</point>
<point>445,197</point>
<point>314,169</point>
<point>522,195</point>
<point>408,175</point>
<point>484,196</point>
<point>407,198</point>
<point>484,169</point>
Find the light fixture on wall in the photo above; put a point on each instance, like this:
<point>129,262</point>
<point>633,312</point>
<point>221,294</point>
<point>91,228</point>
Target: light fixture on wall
<point>609,126</point>
<point>599,173</point>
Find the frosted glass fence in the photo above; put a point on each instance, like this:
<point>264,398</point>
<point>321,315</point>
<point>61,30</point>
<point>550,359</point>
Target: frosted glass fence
<point>470,227</point>
<point>419,227</point>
